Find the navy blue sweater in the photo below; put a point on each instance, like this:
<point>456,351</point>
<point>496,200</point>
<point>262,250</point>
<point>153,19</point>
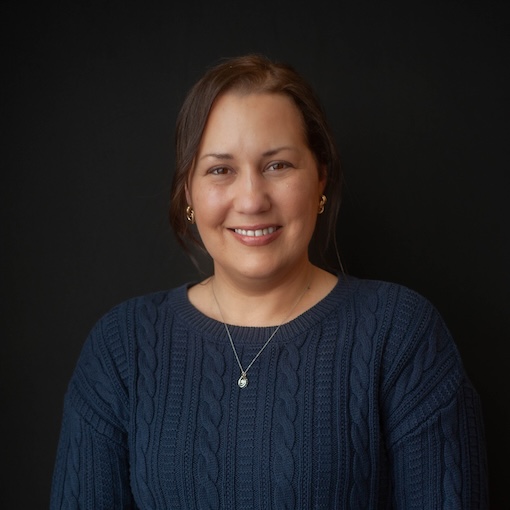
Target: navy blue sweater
<point>360,402</point>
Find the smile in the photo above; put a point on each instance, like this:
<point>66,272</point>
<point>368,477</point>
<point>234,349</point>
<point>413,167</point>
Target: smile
<point>255,233</point>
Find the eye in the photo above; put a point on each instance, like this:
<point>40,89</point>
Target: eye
<point>219,170</point>
<point>279,165</point>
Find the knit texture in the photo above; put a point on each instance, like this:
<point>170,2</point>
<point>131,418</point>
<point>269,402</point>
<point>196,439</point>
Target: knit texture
<point>359,403</point>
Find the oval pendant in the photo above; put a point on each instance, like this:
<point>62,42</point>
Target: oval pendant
<point>243,381</point>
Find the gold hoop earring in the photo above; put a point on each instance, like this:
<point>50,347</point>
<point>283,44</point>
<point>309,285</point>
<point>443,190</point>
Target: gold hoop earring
<point>190,214</point>
<point>322,203</point>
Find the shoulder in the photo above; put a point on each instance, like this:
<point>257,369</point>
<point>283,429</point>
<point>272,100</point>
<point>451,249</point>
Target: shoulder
<point>392,303</point>
<point>373,309</point>
<point>119,332</point>
<point>410,320</point>
<point>158,301</point>
<point>105,368</point>
<point>420,370</point>
<point>140,309</point>
<point>405,329</point>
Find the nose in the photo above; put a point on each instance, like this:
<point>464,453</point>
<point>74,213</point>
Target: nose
<point>251,194</point>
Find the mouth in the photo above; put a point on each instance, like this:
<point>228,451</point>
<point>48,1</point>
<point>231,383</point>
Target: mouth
<point>255,233</point>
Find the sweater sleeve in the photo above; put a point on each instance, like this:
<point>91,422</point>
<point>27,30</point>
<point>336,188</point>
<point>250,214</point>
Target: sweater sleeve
<point>431,414</point>
<point>92,462</point>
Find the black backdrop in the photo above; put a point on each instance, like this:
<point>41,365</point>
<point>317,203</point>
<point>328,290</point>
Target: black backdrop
<point>416,93</point>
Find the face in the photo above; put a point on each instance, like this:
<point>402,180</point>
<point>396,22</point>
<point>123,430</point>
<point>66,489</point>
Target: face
<point>255,187</point>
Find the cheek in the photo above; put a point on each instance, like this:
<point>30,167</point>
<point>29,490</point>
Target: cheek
<point>209,204</point>
<point>302,195</point>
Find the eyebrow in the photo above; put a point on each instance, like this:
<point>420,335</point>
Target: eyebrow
<point>226,155</point>
<point>217,155</point>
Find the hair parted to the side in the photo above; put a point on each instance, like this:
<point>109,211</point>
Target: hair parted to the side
<point>253,74</point>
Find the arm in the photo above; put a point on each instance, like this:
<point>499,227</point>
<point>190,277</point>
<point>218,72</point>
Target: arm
<point>432,417</point>
<point>92,463</point>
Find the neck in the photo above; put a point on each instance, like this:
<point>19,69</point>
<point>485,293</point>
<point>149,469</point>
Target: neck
<point>263,303</point>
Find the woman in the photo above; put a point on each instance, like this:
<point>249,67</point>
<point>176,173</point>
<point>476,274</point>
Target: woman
<point>273,383</point>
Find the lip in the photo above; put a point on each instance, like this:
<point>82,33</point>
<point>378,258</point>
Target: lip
<point>256,235</point>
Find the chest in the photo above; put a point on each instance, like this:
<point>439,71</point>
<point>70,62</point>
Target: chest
<point>304,433</point>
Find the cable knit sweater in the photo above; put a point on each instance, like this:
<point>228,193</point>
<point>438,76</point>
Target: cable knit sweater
<point>360,402</point>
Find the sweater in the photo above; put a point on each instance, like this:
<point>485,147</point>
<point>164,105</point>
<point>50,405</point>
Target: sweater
<point>361,402</point>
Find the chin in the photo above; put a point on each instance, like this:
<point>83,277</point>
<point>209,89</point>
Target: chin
<point>256,272</point>
<point>264,270</point>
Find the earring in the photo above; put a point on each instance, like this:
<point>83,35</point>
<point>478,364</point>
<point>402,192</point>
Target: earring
<point>190,214</point>
<point>322,203</point>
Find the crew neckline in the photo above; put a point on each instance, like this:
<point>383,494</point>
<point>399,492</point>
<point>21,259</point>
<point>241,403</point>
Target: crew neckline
<point>207,327</point>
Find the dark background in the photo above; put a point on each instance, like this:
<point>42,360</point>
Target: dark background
<point>416,92</point>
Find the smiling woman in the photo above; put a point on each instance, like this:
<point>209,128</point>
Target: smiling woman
<point>255,189</point>
<point>273,383</point>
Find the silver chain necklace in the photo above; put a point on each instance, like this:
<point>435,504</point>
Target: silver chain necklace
<point>242,382</point>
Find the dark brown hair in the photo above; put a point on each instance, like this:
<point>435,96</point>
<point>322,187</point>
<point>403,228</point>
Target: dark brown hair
<point>249,74</point>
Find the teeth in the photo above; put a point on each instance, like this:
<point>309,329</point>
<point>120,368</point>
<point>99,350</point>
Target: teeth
<point>255,233</point>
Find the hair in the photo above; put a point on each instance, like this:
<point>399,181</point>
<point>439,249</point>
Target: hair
<point>254,74</point>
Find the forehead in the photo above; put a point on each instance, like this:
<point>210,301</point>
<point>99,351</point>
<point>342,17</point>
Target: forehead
<point>237,117</point>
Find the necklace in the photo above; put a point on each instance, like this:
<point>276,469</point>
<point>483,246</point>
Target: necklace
<point>242,382</point>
